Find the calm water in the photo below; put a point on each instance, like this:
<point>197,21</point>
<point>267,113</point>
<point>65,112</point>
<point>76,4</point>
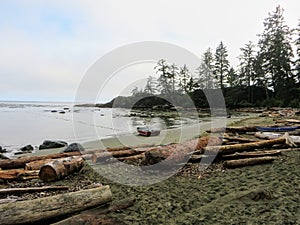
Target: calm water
<point>23,123</point>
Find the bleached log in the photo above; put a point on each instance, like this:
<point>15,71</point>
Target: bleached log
<point>254,154</point>
<point>18,174</point>
<point>45,208</point>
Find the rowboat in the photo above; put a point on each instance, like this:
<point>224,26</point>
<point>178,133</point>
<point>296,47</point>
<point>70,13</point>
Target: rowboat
<point>277,128</point>
<point>147,131</point>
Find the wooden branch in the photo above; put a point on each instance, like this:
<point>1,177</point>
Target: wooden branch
<point>270,136</point>
<point>238,139</point>
<point>102,156</point>
<point>255,154</point>
<point>18,174</point>
<point>31,189</point>
<point>45,208</point>
<point>59,168</point>
<point>248,162</point>
<point>21,162</point>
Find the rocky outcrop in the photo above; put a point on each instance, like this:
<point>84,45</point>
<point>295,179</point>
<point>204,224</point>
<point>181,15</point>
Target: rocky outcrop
<point>74,147</point>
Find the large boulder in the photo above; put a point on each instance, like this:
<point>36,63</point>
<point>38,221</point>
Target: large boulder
<point>52,144</point>
<point>74,147</point>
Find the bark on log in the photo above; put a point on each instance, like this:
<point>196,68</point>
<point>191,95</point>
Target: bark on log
<point>248,162</point>
<point>233,129</point>
<point>227,149</point>
<point>45,208</point>
<point>32,189</point>
<point>238,139</point>
<point>18,174</point>
<point>59,168</point>
<point>255,154</point>
<point>21,162</point>
<point>36,165</point>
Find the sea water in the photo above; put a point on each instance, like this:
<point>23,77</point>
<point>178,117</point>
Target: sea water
<point>30,123</point>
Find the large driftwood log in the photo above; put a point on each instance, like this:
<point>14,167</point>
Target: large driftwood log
<point>18,174</point>
<point>45,208</point>
<point>255,154</point>
<point>228,149</point>
<point>21,162</point>
<point>32,189</point>
<point>60,168</point>
<point>248,162</point>
<point>233,129</point>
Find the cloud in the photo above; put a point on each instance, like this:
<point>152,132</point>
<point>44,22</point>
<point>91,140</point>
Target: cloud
<point>47,46</point>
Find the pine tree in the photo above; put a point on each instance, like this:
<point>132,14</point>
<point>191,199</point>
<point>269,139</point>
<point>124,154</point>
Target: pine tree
<point>150,87</point>
<point>206,79</point>
<point>221,66</point>
<point>185,76</point>
<point>246,66</point>
<point>163,69</point>
<point>233,80</point>
<point>297,62</point>
<point>276,53</point>
<point>174,72</point>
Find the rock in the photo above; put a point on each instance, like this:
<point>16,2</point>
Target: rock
<point>53,111</point>
<point>52,144</point>
<point>74,147</point>
<point>27,148</point>
<point>2,150</point>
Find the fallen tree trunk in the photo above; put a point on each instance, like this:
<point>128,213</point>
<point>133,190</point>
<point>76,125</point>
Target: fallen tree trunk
<point>18,174</point>
<point>255,154</point>
<point>60,168</point>
<point>31,189</point>
<point>233,129</point>
<point>21,162</point>
<point>248,162</point>
<point>227,149</point>
<point>45,208</point>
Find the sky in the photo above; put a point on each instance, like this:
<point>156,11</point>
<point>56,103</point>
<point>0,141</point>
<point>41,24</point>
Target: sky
<point>47,47</point>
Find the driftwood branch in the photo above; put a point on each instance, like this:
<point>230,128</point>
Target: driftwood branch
<point>18,174</point>
<point>248,162</point>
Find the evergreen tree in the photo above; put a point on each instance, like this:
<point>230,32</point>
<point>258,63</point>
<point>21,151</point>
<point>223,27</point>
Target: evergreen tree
<point>205,71</point>
<point>246,66</point>
<point>233,80</point>
<point>174,72</point>
<point>184,78</point>
<point>150,87</point>
<point>297,62</point>
<point>221,66</point>
<point>276,52</point>
<point>163,70</point>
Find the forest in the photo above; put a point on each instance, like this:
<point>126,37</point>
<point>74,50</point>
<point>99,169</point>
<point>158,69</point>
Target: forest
<point>267,74</point>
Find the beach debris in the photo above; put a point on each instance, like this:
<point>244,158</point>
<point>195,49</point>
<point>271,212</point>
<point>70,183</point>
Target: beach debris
<point>35,210</point>
<point>248,162</point>
<point>3,156</point>
<point>47,144</point>
<point>21,162</point>
<point>2,150</point>
<point>59,168</point>
<point>103,156</point>
<point>74,147</point>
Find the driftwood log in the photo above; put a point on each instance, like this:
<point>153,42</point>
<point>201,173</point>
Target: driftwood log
<point>228,149</point>
<point>102,156</point>
<point>59,168</point>
<point>233,129</point>
<point>21,162</point>
<point>270,136</point>
<point>45,208</point>
<point>18,174</point>
<point>254,154</point>
<point>248,162</point>
<point>32,189</point>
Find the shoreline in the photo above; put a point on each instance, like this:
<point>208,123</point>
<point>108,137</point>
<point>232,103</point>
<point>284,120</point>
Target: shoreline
<point>168,136</point>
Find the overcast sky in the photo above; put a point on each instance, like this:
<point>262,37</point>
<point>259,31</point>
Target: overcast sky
<point>46,47</point>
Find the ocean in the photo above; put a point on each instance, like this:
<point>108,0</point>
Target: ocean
<point>30,123</point>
